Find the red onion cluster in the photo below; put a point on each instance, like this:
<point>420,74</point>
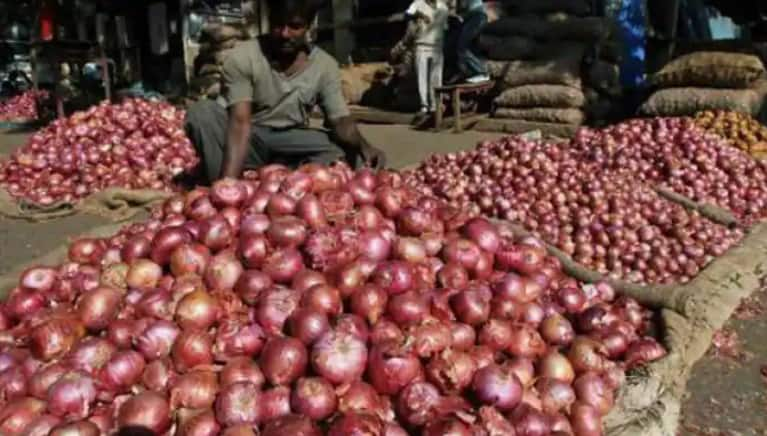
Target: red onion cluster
<point>271,305</point>
<point>675,153</point>
<point>604,218</point>
<point>22,107</point>
<point>134,145</point>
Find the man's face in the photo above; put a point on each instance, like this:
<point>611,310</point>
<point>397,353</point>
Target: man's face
<point>289,36</point>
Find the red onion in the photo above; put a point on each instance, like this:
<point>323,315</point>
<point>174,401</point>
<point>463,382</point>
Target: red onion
<point>24,304</point>
<point>356,424</point>
<point>586,354</point>
<point>447,426</point>
<point>417,404</point>
<point>147,410</point>
<point>283,360</point>
<point>463,336</point>
<point>310,210</point>
<point>158,375</point>
<point>557,330</point>
<point>496,334</point>
<point>557,367</point>
<point>71,396</point>
<point>585,420</point>
<point>275,403</point>
<point>556,395</point>
<point>308,325</point>
<point>497,386</point>
<point>643,351</point>
<point>91,354</point>
<point>291,425</point>
<point>191,350</point>
<point>122,371</point>
<point>79,428</point>
<point>13,384</point>
<point>275,308</point>
<point>392,367</point>
<point>282,264</point>
<point>484,234</point>
<point>453,276</point>
<point>228,193</point>
<point>462,252</point>
<point>223,271</point>
<point>55,337</point>
<point>409,308</point>
<point>38,279</point>
<point>237,404</point>
<point>156,340</point>
<point>167,240</point>
<point>339,357</point>
<point>471,307</point>
<point>143,274</point>
<point>394,277</point>
<point>203,423</point>
<point>237,338</point>
<point>250,286</point>
<point>451,371</point>
<point>531,422</point>
<point>194,390</point>
<point>314,397</point>
<point>198,310</point>
<point>86,251</point>
<point>241,369</point>
<point>189,259</point>
<point>42,425</point>
<point>16,415</point>
<point>324,298</point>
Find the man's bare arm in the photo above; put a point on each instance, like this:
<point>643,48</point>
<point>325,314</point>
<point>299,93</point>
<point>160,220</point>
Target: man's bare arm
<point>237,140</point>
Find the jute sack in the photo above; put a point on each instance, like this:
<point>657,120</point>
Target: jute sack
<point>357,79</point>
<point>114,204</point>
<point>507,47</point>
<point>557,96</point>
<point>573,7</point>
<point>688,101</point>
<point>542,114</point>
<point>563,70</point>
<point>711,69</point>
<point>555,28</point>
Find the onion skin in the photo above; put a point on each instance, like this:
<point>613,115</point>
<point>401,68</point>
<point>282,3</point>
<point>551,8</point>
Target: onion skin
<point>194,390</point>
<point>314,397</point>
<point>238,404</point>
<point>283,360</point>
<point>497,386</point>
<point>147,410</point>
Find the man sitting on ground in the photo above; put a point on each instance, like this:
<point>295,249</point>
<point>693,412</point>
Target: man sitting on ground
<point>269,86</point>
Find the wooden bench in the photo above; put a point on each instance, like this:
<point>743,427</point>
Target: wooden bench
<point>456,92</point>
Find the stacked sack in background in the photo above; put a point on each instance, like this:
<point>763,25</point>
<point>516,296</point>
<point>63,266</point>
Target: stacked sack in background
<point>705,80</point>
<point>537,56</point>
<point>215,40</point>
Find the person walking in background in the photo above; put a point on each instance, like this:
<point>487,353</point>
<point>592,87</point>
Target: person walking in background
<point>471,68</point>
<point>430,18</point>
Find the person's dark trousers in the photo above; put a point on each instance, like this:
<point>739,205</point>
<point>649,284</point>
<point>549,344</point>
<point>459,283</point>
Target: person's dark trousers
<point>206,125</point>
<point>469,62</point>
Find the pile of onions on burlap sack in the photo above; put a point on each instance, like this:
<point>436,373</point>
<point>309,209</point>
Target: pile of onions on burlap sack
<point>137,144</point>
<point>22,107</point>
<point>675,153</point>
<point>606,220</point>
<point>322,298</point>
<point>741,130</point>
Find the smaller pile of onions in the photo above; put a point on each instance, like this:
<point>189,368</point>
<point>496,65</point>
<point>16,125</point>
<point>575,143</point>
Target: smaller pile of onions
<point>22,107</point>
<point>137,144</point>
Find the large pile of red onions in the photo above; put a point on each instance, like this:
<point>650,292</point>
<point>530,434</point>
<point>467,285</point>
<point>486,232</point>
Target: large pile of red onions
<point>135,145</point>
<point>319,301</point>
<point>674,152</point>
<point>22,107</point>
<point>609,221</point>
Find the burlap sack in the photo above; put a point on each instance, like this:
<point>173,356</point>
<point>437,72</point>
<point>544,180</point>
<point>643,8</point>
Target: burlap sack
<point>545,115</point>
<point>527,96</point>
<point>688,101</point>
<point>516,127</point>
<point>564,70</point>
<point>357,79</point>
<point>573,7</point>
<point>114,204</point>
<point>712,70</point>
<point>556,28</point>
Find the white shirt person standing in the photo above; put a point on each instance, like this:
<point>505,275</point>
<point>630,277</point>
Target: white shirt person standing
<point>429,57</point>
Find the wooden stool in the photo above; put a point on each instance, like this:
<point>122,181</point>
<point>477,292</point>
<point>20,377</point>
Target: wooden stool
<point>455,92</point>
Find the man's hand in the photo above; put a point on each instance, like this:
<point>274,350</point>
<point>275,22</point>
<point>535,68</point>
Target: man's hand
<point>344,131</point>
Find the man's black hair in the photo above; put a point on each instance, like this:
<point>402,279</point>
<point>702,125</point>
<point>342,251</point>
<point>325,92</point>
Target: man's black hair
<point>284,10</point>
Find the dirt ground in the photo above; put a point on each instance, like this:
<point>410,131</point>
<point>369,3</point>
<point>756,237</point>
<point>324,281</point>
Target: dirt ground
<point>727,394</point>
